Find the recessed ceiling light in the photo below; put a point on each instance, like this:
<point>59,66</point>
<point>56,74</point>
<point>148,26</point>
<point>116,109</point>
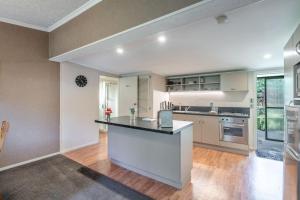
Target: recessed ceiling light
<point>162,39</point>
<point>267,56</point>
<point>222,19</point>
<point>120,51</point>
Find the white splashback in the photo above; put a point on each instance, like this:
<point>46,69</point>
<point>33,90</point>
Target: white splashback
<point>219,98</point>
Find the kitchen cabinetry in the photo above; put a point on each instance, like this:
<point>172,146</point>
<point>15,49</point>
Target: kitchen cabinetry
<point>227,82</point>
<point>151,92</point>
<point>206,132</point>
<point>211,130</point>
<point>200,82</point>
<point>234,81</point>
<point>197,125</point>
<point>205,128</point>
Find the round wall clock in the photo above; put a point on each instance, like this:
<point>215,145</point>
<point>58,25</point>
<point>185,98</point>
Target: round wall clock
<point>81,81</point>
<point>298,47</point>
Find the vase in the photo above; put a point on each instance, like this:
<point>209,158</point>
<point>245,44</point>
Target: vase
<point>132,117</point>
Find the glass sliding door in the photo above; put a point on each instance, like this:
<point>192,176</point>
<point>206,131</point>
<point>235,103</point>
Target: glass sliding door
<point>274,108</point>
<point>270,107</point>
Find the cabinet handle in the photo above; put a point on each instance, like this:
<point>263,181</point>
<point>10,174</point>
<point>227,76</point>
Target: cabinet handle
<point>232,88</point>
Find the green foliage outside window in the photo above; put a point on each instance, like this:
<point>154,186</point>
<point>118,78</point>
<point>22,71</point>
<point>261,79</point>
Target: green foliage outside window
<point>275,103</point>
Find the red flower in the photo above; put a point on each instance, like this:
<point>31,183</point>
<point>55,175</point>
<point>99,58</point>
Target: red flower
<point>108,111</point>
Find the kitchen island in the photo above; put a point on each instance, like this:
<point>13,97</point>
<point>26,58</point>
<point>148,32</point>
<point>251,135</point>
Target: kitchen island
<point>163,154</point>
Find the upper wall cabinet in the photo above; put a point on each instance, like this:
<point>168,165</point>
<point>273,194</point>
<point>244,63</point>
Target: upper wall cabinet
<point>200,82</point>
<point>234,81</point>
<point>227,82</point>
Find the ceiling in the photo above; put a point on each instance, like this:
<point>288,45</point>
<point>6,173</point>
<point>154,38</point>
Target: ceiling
<point>42,14</point>
<point>204,45</point>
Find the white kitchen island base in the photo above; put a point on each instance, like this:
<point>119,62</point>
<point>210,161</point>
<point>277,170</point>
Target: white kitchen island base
<point>164,157</point>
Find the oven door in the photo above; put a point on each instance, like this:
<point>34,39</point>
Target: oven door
<point>234,132</point>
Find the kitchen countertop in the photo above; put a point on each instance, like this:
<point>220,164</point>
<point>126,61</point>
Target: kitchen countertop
<point>239,115</point>
<point>141,124</point>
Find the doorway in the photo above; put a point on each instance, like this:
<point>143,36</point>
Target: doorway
<point>270,116</point>
<point>108,97</point>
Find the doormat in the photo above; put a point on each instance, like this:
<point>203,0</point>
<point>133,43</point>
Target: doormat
<point>273,155</point>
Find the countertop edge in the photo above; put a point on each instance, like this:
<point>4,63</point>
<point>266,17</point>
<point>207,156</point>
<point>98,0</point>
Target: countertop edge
<point>145,129</point>
<point>213,115</point>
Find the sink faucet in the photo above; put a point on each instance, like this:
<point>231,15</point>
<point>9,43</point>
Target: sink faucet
<point>187,108</point>
<point>212,108</point>
<point>211,104</point>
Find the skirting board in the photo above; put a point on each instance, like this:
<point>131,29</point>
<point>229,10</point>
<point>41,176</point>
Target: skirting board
<point>28,161</point>
<point>43,157</point>
<point>148,174</point>
<point>78,147</point>
<point>226,149</point>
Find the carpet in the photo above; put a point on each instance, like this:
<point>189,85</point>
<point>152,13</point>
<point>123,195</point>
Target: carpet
<point>59,178</point>
<point>269,154</point>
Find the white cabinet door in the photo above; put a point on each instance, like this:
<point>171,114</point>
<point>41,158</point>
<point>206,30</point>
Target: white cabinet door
<point>198,131</point>
<point>144,96</point>
<point>128,94</point>
<point>234,81</point>
<point>211,130</point>
<point>206,129</point>
<point>197,125</point>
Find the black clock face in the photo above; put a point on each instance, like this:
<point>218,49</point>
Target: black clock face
<point>81,81</point>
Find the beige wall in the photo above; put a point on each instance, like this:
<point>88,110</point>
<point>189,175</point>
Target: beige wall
<point>79,107</point>
<point>29,95</point>
<point>108,18</point>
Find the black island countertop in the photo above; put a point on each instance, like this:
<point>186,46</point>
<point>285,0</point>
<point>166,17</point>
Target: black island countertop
<point>141,124</point>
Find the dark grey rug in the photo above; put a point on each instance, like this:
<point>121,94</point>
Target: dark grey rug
<point>273,155</point>
<point>61,178</point>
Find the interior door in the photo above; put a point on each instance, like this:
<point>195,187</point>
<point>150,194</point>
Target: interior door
<point>128,94</point>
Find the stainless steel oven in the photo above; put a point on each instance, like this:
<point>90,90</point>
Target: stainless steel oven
<point>234,129</point>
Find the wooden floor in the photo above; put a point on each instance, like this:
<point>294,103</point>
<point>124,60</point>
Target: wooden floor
<point>215,175</point>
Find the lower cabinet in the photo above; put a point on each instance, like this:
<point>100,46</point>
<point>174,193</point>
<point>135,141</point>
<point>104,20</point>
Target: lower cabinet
<point>197,125</point>
<point>205,128</point>
<point>211,130</point>
<point>198,130</point>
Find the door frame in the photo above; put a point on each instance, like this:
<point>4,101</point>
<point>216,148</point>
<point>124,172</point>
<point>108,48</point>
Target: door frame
<point>266,107</point>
